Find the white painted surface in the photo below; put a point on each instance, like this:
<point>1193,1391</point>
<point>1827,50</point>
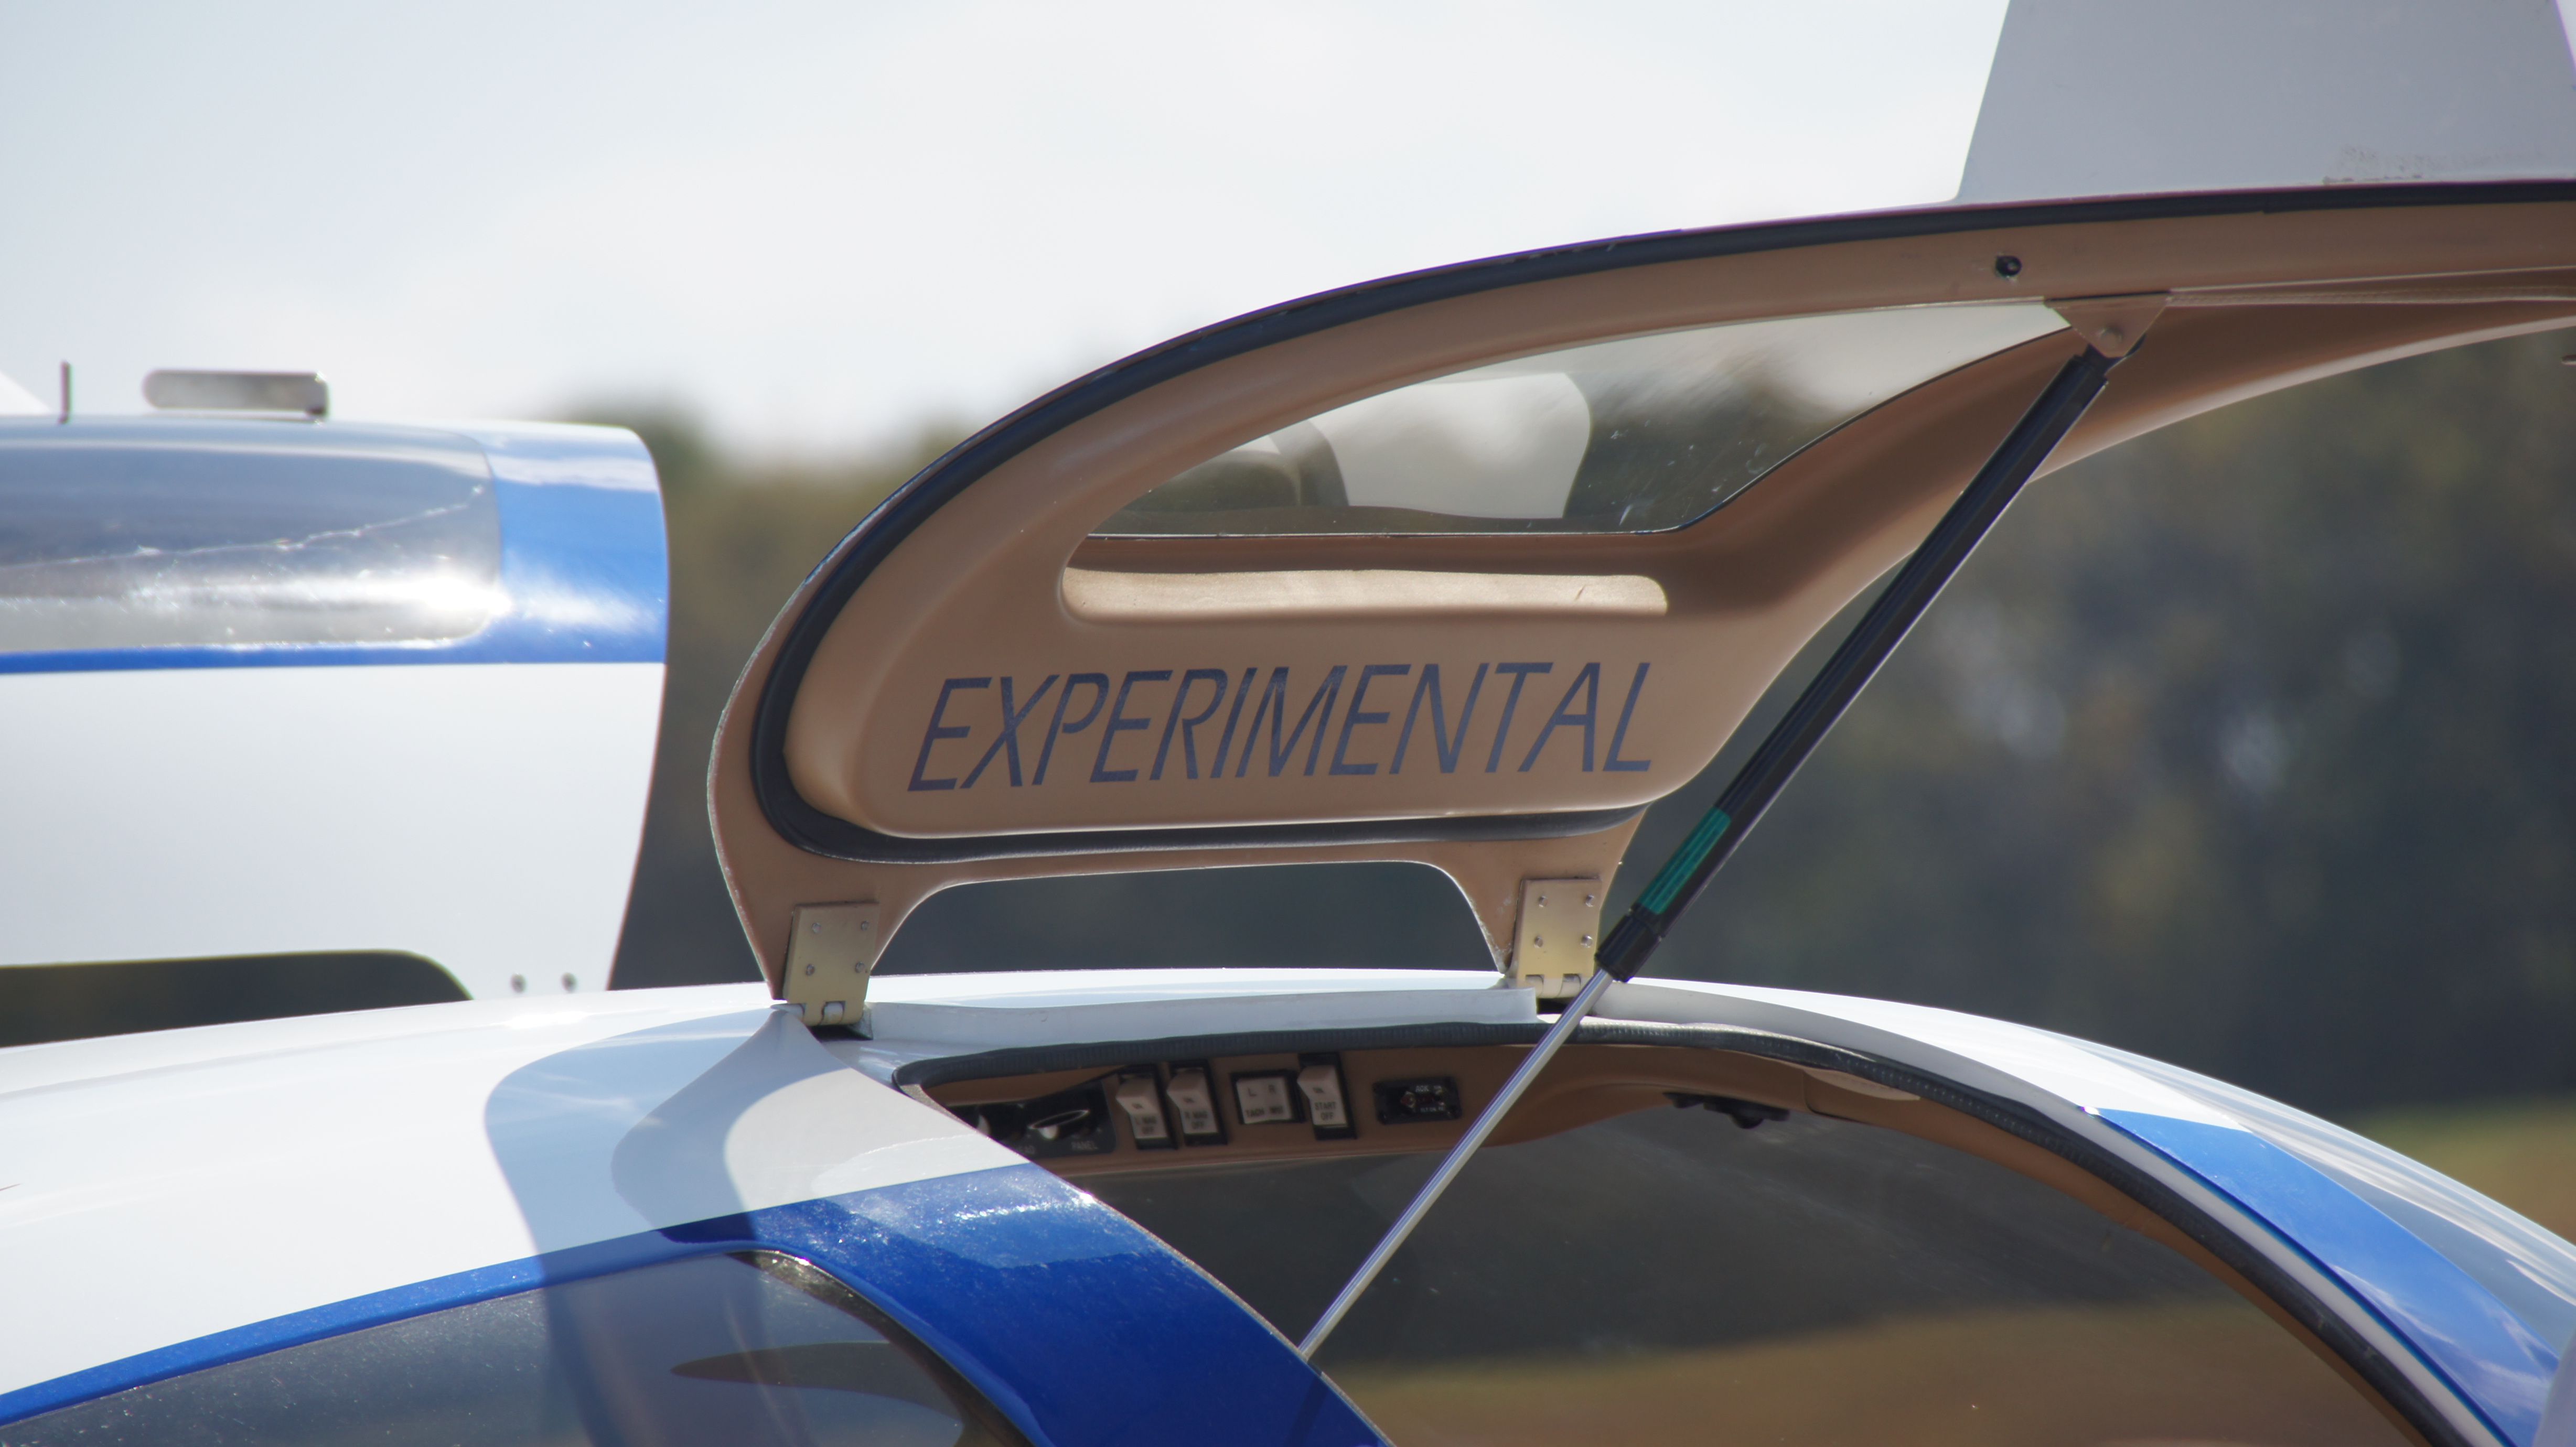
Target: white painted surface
<point>2055,1065</point>
<point>485,816</point>
<point>2558,1414</point>
<point>17,401</point>
<point>1054,1007</point>
<point>157,1188</point>
<point>2112,97</point>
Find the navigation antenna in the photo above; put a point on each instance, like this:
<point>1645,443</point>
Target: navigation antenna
<point>1627,947</point>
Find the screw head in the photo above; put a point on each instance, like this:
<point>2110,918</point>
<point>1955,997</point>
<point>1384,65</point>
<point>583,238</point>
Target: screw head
<point>809,969</point>
<point>569,983</point>
<point>2007,267</point>
<point>518,984</point>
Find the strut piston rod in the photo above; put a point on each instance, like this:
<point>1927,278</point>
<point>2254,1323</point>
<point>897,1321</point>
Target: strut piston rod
<point>1675,886</point>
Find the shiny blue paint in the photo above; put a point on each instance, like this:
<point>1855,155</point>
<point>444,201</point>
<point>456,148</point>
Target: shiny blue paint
<point>2459,1328</point>
<point>583,559</point>
<point>588,579</point>
<point>1078,1325</point>
<point>1099,1333</point>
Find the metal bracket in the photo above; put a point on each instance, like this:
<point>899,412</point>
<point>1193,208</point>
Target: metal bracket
<point>1560,928</point>
<point>2112,324</point>
<point>831,948</point>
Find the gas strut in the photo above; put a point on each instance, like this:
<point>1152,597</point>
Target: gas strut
<point>1625,950</point>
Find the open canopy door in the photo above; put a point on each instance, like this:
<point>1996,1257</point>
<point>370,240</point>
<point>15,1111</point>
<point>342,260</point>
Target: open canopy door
<point>1468,567</point>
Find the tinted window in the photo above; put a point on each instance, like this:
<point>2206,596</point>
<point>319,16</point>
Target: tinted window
<point>130,534</point>
<point>743,1350</point>
<point>1626,436</point>
<point>1670,1277</point>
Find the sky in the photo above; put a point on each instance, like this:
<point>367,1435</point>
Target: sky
<point>819,226</point>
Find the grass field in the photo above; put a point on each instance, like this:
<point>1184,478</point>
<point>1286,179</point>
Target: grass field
<point>2522,1153</point>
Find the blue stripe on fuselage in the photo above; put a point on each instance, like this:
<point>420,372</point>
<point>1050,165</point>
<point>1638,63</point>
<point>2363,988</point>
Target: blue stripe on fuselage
<point>1077,1324</point>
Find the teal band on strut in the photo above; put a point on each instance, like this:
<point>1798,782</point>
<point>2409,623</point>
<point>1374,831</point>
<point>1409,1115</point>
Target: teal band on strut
<point>1669,879</point>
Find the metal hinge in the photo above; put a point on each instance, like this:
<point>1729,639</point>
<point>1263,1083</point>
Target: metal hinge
<point>1560,929</point>
<point>830,951</point>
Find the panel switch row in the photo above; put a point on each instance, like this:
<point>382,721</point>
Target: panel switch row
<point>1162,1114</point>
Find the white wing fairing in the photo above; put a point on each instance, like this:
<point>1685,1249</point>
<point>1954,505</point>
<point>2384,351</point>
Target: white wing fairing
<point>325,1203</point>
<point>278,1167</point>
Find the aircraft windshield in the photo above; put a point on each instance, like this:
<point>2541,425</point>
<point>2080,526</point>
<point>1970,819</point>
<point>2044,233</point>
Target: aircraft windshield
<point>1635,435</point>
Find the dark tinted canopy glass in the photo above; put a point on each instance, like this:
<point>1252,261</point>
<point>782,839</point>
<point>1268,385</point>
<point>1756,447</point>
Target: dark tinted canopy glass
<point>1627,436</point>
<point>157,532</point>
<point>1672,1277</point>
<point>754,1350</point>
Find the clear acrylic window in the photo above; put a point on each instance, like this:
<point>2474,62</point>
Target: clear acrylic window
<point>1635,435</point>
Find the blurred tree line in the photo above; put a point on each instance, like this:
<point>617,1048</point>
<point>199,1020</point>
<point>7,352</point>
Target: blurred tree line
<point>742,536</point>
<point>2245,745</point>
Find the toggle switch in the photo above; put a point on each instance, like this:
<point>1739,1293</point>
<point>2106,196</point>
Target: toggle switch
<point>1195,1101</point>
<point>1319,1080</point>
<point>1143,1102</point>
<point>1264,1098</point>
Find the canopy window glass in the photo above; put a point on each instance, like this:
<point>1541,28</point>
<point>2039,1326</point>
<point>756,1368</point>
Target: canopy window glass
<point>1634,435</point>
<point>1860,1285</point>
<point>133,534</point>
<point>749,1350</point>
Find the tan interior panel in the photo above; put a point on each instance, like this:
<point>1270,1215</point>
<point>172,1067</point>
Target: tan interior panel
<point>1583,1084</point>
<point>1532,709</point>
<point>1002,674</point>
